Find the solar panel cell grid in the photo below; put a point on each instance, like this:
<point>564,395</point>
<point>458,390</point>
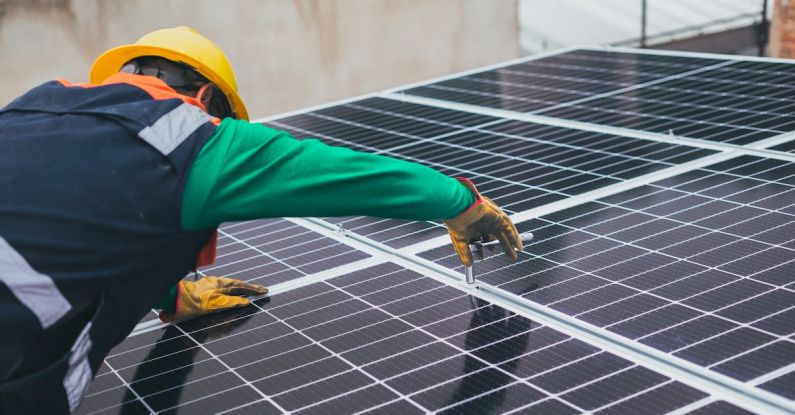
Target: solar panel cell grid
<point>394,233</point>
<point>552,80</point>
<point>272,251</point>
<point>382,339</point>
<point>698,283</point>
<point>736,102</point>
<point>717,105</point>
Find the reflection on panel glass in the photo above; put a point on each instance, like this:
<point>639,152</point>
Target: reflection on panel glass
<point>383,340</point>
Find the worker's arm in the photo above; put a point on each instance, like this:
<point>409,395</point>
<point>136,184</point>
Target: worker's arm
<point>248,171</point>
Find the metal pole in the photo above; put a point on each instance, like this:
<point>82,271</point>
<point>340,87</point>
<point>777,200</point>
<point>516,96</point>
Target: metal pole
<point>763,30</point>
<point>643,23</point>
<point>477,247</point>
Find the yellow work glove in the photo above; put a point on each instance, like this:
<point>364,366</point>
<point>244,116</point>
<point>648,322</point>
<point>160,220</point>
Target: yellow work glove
<point>485,220</point>
<point>211,294</point>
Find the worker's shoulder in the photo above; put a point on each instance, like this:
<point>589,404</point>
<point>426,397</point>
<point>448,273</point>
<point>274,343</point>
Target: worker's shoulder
<point>62,96</point>
<point>139,101</point>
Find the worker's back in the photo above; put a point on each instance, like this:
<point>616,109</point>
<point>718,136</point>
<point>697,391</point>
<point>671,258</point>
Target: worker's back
<point>90,190</point>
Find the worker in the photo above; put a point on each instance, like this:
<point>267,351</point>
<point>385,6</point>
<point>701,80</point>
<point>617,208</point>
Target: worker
<point>112,191</point>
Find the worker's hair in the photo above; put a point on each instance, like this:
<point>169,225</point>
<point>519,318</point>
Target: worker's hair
<point>183,78</point>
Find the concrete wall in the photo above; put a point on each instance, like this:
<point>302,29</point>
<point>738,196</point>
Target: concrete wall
<point>288,54</point>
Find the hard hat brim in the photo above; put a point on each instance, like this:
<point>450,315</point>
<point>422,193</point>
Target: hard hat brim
<point>111,62</point>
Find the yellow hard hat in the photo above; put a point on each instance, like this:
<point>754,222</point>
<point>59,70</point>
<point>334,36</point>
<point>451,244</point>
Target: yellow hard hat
<point>179,44</point>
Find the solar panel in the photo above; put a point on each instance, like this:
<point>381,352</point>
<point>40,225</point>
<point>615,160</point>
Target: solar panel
<point>561,78</point>
<point>700,265</point>
<point>693,265</point>
<point>738,104</point>
<point>382,339</point>
<point>271,251</point>
<point>725,100</point>
<point>520,165</point>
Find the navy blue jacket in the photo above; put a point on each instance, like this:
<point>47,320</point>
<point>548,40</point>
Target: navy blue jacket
<point>91,180</point>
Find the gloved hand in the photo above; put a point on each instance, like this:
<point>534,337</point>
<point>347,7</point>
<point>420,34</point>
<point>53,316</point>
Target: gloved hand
<point>483,219</point>
<point>210,294</point>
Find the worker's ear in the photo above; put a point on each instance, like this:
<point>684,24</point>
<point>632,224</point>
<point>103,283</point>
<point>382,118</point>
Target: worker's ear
<point>205,95</point>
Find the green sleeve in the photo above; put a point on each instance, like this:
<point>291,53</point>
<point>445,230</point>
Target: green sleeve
<point>248,171</point>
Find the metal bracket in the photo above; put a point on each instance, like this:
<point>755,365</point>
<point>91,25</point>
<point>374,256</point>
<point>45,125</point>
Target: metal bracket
<point>476,248</point>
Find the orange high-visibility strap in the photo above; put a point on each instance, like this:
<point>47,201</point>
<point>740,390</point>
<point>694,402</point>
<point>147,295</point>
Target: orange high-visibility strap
<point>156,88</point>
<point>208,251</point>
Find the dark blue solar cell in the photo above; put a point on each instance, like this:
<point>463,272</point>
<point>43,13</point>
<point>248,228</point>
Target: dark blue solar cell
<point>724,346</point>
<point>687,333</point>
<point>782,385</point>
<point>580,372</point>
<point>654,321</point>
<point>689,285</point>
<point>726,295</point>
<point>623,310</point>
<point>660,400</point>
<point>359,400</point>
<point>759,307</point>
<point>760,361</point>
<point>604,391</point>
<point>498,401</point>
<point>782,323</point>
<point>720,408</point>
<point>469,386</point>
<point>323,390</point>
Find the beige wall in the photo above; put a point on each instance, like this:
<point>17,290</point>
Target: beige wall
<point>287,54</point>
